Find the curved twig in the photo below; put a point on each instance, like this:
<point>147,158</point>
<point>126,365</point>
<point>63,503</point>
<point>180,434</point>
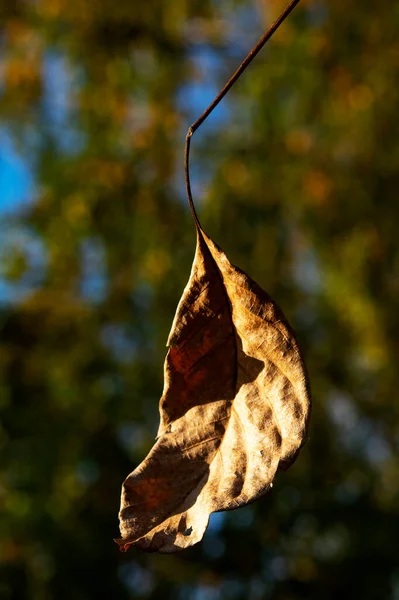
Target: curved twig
<point>191,130</point>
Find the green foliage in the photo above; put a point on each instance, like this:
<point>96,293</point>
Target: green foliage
<point>298,182</point>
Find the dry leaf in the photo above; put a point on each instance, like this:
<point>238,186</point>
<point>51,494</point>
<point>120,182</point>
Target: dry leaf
<point>235,408</point>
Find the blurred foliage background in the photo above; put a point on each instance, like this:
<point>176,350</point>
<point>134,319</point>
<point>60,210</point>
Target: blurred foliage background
<point>296,176</point>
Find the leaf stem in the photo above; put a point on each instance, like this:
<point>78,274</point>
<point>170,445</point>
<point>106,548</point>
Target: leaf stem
<point>191,130</point>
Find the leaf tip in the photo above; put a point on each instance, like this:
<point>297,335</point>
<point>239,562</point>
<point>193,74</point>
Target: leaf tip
<point>123,546</point>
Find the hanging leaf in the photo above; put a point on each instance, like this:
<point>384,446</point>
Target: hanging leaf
<point>235,408</point>
<point>235,405</point>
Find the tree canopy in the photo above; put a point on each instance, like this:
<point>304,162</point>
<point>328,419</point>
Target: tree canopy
<point>296,176</point>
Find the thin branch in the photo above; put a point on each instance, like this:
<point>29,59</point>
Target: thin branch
<point>221,95</point>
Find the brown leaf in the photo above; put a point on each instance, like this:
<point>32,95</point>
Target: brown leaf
<point>235,407</point>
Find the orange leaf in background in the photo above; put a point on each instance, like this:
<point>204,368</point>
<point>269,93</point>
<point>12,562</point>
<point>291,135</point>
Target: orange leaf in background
<point>235,408</point>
